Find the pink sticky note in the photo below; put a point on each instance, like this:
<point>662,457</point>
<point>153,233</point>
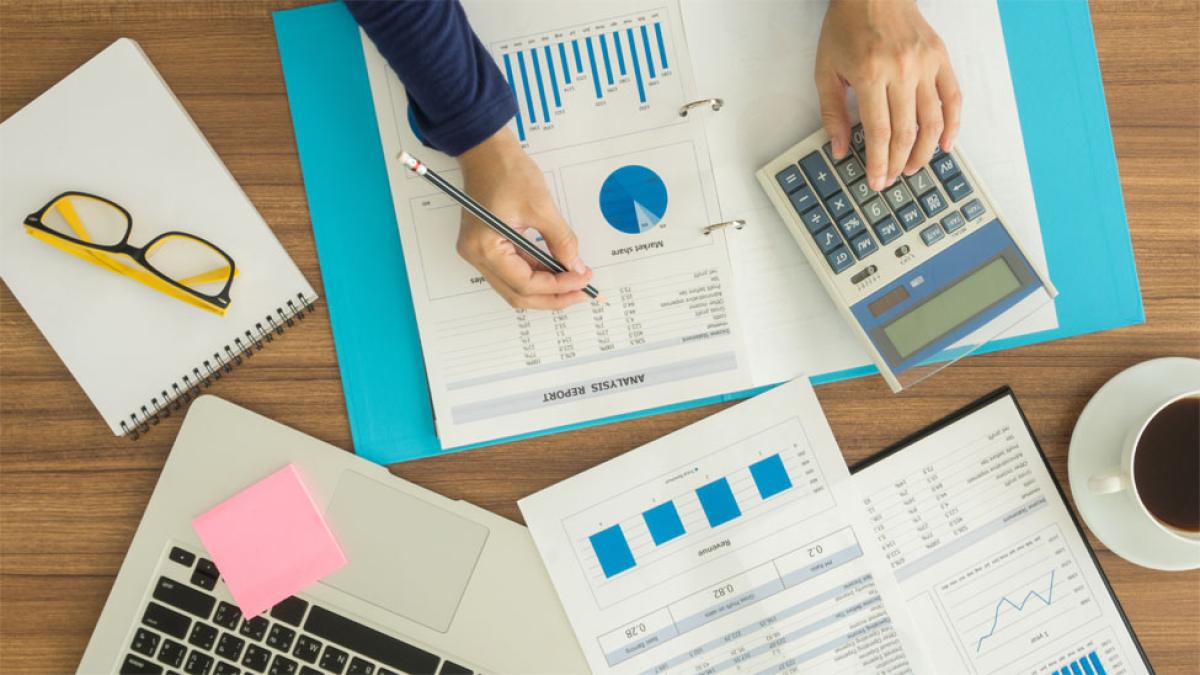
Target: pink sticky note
<point>269,541</point>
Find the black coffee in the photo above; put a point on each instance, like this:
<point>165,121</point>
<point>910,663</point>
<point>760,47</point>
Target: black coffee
<point>1166,465</point>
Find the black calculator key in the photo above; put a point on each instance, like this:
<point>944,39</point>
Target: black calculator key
<point>451,668</point>
<point>197,663</point>
<point>281,637</point>
<point>851,226</point>
<point>802,200</point>
<point>185,558</point>
<point>819,175</point>
<point>228,616</point>
<point>863,246</point>
<point>145,642</point>
<point>972,209</point>
<point>230,647</point>
<point>282,665</point>
<point>945,167</point>
<point>290,610</point>
<point>166,620</point>
<point>203,636</point>
<point>827,239</point>
<point>360,667</point>
<point>815,219</point>
<point>334,660</point>
<point>953,222</point>
<point>888,230</point>
<point>838,205</point>
<point>790,179</point>
<point>839,259</point>
<point>256,658</point>
<point>932,234</point>
<point>203,580</point>
<point>858,138</point>
<point>254,628</point>
<point>172,653</point>
<point>862,192</point>
<point>920,182</point>
<point>226,669</point>
<point>850,169</point>
<point>909,216</point>
<point>307,649</point>
<point>183,597</point>
<point>134,665</point>
<point>958,188</point>
<point>875,210</point>
<point>933,203</point>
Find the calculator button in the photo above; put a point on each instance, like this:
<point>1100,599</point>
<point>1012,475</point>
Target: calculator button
<point>838,205</point>
<point>888,230</point>
<point>920,182</point>
<point>802,200</point>
<point>863,246</point>
<point>945,168</point>
<point>790,179</point>
<point>839,259</point>
<point>827,240</point>
<point>858,138</point>
<point>862,192</point>
<point>909,216</point>
<point>828,148</point>
<point>932,234</point>
<point>933,203</point>
<point>953,222</point>
<point>819,174</point>
<point>897,195</point>
<point>815,219</point>
<point>874,210</point>
<point>850,170</point>
<point>972,209</point>
<point>958,188</point>
<point>852,226</point>
<point>866,272</point>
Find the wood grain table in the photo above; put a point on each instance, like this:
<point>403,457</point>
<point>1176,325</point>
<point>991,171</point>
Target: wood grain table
<point>71,494</point>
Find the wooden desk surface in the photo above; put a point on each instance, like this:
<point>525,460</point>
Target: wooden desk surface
<point>71,494</point>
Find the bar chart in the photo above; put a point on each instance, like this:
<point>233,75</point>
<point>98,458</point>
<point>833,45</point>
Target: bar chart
<point>1097,654</point>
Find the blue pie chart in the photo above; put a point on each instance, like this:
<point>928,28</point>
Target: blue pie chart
<point>633,199</point>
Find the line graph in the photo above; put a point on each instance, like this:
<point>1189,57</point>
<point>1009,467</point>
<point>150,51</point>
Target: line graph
<point>1019,607</point>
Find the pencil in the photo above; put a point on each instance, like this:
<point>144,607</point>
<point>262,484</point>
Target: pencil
<point>479,211</point>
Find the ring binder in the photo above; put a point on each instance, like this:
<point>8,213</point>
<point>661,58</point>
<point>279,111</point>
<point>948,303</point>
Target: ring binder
<point>714,103</point>
<point>736,223</point>
<point>204,374</point>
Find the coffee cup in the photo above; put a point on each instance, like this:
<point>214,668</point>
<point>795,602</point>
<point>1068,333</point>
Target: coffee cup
<point>1160,467</point>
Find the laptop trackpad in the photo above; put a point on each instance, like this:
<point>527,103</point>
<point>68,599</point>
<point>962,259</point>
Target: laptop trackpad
<point>403,554</point>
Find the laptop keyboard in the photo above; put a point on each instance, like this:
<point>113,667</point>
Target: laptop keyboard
<point>187,628</point>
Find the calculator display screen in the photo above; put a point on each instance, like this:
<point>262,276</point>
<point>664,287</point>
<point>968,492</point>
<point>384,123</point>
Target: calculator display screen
<point>951,307</point>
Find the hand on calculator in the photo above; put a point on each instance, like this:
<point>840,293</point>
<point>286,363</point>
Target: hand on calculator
<point>908,97</point>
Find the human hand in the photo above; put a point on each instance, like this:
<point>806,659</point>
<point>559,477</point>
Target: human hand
<point>908,97</point>
<point>498,174</point>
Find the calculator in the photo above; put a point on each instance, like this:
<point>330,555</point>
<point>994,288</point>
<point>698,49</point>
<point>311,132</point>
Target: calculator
<point>925,271</point>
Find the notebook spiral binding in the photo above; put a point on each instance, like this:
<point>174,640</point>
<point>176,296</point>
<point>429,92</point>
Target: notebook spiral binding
<point>715,104</point>
<point>191,385</point>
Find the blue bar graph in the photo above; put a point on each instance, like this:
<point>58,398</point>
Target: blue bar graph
<point>607,64</point>
<point>562,56</point>
<point>663,522</point>
<point>578,58</point>
<point>637,71</point>
<point>612,550</point>
<point>1087,666</point>
<point>769,476</point>
<point>620,54</point>
<point>716,498</point>
<point>662,47</point>
<point>537,71</point>
<point>525,84</point>
<point>513,86</point>
<point>553,77</point>
<point>1096,663</point>
<point>1075,669</point>
<point>592,61</point>
<point>649,57</point>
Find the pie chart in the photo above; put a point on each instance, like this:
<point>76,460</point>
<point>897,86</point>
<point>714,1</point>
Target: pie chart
<point>633,199</point>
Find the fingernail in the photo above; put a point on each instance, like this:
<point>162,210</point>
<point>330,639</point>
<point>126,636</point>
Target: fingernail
<point>578,266</point>
<point>877,183</point>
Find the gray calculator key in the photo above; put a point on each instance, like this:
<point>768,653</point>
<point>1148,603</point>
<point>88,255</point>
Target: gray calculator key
<point>790,179</point>
<point>850,170</point>
<point>815,219</point>
<point>802,200</point>
<point>838,205</point>
<point>839,259</point>
<point>958,187</point>
<point>874,210</point>
<point>827,239</point>
<point>972,209</point>
<point>933,203</point>
<point>953,222</point>
<point>858,138</point>
<point>864,245</point>
<point>862,192</point>
<point>897,195</point>
<point>819,174</point>
<point>945,167</point>
<point>851,226</point>
<point>920,182</point>
<point>909,216</point>
<point>932,234</point>
<point>888,230</point>
<point>828,148</point>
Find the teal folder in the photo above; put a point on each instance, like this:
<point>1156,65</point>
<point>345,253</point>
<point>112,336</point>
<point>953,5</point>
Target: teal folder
<point>1060,101</point>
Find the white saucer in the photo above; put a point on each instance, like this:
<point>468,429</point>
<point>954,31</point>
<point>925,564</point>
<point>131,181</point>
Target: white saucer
<point>1121,404</point>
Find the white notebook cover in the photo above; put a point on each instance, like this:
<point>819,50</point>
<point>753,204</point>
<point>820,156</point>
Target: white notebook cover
<point>114,129</point>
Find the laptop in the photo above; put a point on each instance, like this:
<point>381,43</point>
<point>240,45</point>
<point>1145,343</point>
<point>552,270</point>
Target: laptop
<point>431,585</point>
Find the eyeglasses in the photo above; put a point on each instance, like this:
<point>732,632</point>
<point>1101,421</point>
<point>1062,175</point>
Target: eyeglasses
<point>181,265</point>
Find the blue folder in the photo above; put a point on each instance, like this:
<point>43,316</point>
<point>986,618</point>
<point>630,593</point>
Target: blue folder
<point>1060,101</point>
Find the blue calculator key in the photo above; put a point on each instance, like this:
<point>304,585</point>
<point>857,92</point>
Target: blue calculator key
<point>802,200</point>
<point>827,240</point>
<point>953,222</point>
<point>815,219</point>
<point>932,234</point>
<point>790,179</point>
<point>888,230</point>
<point>851,226</point>
<point>838,205</point>
<point>819,174</point>
<point>858,138</point>
<point>864,245</point>
<point>945,167</point>
<point>909,216</point>
<point>958,187</point>
<point>839,259</point>
<point>933,203</point>
<point>973,209</point>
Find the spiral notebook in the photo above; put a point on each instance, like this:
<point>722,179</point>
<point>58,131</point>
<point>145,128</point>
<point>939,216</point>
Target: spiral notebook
<point>113,128</point>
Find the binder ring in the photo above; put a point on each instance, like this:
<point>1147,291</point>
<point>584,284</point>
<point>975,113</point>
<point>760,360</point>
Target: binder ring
<point>714,103</point>
<point>736,224</point>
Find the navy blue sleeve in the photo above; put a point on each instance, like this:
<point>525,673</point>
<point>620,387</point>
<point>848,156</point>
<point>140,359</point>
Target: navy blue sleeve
<point>457,93</point>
